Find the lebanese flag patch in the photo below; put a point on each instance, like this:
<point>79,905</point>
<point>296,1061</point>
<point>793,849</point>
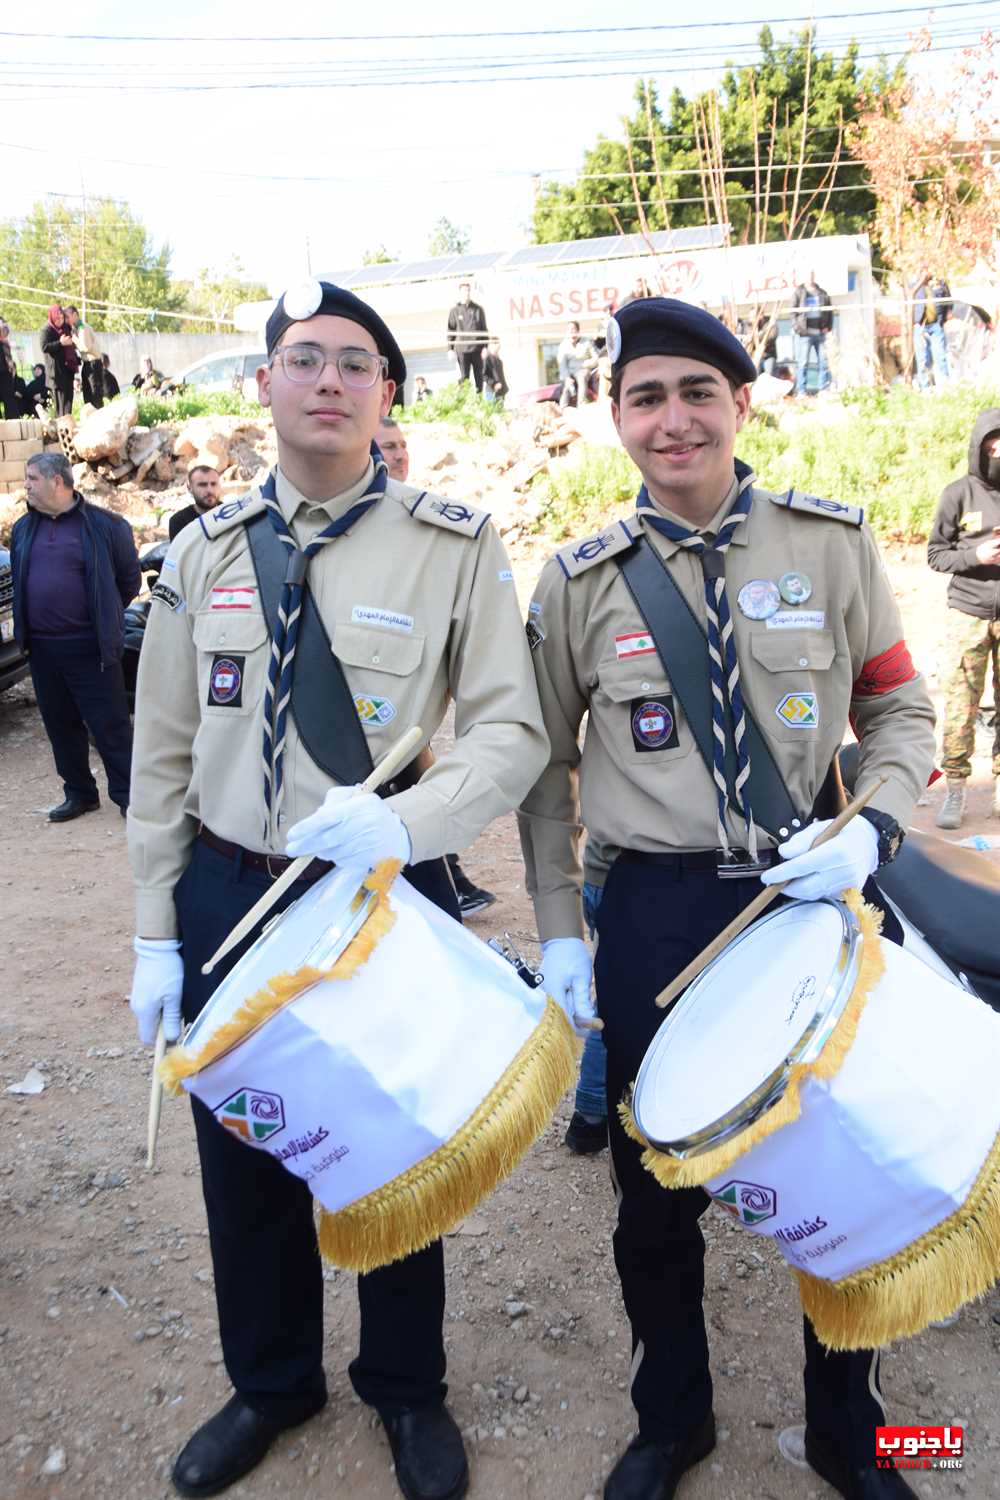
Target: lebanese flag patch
<point>886,672</point>
<point>232,598</point>
<point>636,643</point>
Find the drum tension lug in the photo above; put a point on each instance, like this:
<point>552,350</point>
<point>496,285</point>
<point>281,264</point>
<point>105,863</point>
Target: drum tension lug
<point>507,949</point>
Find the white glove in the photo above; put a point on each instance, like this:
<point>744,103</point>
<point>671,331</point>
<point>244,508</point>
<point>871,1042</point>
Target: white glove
<point>157,986</point>
<point>567,970</point>
<point>351,827</point>
<point>843,864</point>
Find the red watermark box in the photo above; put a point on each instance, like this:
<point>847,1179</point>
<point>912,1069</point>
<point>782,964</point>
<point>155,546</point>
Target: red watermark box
<point>919,1447</point>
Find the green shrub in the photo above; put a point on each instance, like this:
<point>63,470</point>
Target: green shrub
<point>461,405</point>
<point>156,409</point>
<point>890,451</point>
<point>585,491</point>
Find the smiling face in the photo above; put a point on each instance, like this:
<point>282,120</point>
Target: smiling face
<point>325,419</point>
<point>678,419</point>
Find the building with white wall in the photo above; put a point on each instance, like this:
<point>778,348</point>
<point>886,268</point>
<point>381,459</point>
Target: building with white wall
<point>530,294</point>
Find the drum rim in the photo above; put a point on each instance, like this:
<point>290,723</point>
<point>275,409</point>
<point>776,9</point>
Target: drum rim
<point>831,1003</point>
<point>322,953</point>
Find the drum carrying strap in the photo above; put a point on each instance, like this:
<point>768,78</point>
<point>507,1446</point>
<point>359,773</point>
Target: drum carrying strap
<point>322,704</point>
<point>683,649</point>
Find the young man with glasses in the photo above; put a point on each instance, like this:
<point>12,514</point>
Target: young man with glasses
<point>243,760</point>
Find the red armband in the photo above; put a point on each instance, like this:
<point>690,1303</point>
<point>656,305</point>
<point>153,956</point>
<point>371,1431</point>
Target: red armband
<point>884,673</point>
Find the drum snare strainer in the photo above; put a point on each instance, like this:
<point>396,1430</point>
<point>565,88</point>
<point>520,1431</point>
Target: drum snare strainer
<point>833,1093</point>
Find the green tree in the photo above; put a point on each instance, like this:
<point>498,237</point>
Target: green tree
<point>99,255</point>
<point>215,293</point>
<point>448,239</point>
<point>762,153</point>
<point>378,257</point>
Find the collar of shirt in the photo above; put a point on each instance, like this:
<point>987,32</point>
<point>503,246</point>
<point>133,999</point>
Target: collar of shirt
<point>667,548</point>
<point>315,515</point>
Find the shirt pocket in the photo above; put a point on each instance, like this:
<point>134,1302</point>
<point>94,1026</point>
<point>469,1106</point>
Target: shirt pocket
<point>381,668</point>
<point>792,688</point>
<point>638,715</point>
<point>232,661</point>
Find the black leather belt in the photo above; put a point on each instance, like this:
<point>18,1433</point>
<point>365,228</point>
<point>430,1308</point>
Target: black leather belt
<point>268,864</point>
<point>701,861</point>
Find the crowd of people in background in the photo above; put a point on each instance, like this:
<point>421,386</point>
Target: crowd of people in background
<point>71,363</point>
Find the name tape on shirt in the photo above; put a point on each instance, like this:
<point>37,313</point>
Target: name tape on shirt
<point>233,598</point>
<point>797,619</point>
<point>635,643</point>
<point>389,619</point>
<point>505,575</point>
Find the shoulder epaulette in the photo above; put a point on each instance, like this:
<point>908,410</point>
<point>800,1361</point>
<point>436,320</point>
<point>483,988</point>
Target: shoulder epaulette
<point>810,505</point>
<point>451,515</point>
<point>231,513</point>
<point>577,557</point>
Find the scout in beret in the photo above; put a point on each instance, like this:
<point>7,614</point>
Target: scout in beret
<point>717,633</point>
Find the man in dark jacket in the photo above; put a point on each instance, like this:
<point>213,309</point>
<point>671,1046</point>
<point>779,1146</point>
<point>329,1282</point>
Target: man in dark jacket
<point>467,335</point>
<point>75,569</point>
<point>965,542</point>
<point>493,374</point>
<point>812,320</point>
<point>931,306</point>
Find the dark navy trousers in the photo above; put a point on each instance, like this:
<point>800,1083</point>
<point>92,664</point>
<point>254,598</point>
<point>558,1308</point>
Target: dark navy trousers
<point>268,1273</point>
<point>651,922</point>
<point>75,693</point>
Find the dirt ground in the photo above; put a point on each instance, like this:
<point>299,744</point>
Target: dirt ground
<point>110,1355</point>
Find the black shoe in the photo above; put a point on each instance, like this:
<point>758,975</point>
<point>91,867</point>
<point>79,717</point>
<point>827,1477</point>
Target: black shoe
<point>429,1453</point>
<point>854,1481</point>
<point>123,809</point>
<point>652,1471</point>
<point>73,807</point>
<point>474,899</point>
<point>583,1137</point>
<point>228,1446</point>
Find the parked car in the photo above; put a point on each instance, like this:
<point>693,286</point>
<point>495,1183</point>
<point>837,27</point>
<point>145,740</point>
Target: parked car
<point>234,371</point>
<point>13,662</point>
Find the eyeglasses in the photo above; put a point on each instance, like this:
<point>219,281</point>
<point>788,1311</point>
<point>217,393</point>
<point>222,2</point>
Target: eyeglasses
<point>304,363</point>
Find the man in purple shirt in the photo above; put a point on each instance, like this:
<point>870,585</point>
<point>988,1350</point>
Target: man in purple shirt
<point>75,569</point>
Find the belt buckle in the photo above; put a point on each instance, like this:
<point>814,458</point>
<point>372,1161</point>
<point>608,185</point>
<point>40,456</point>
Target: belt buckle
<point>739,865</point>
<point>267,863</point>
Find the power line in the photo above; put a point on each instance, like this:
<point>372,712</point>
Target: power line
<point>560,31</point>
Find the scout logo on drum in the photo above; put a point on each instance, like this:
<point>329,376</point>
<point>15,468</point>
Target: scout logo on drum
<point>799,710</point>
<point>225,683</point>
<point>654,726</point>
<point>252,1114</point>
<point>374,712</point>
<point>747,1201</point>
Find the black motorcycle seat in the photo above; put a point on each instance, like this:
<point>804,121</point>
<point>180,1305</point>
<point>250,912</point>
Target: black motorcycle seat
<point>951,894</point>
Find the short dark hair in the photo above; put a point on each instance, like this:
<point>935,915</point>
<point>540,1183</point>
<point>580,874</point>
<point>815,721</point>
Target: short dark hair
<point>208,468</point>
<point>53,465</point>
<point>70,308</point>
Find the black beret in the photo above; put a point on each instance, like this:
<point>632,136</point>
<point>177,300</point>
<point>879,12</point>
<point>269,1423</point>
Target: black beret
<point>311,297</point>
<point>663,325</point>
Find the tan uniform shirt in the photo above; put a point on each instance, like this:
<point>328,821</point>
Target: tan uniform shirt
<point>836,649</point>
<point>420,609</point>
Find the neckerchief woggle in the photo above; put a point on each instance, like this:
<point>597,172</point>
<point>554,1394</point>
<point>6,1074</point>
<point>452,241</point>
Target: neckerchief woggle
<point>724,664</point>
<point>281,666</point>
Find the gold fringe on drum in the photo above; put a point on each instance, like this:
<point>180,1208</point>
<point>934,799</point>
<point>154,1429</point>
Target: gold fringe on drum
<point>956,1261</point>
<point>283,988</point>
<point>431,1197</point>
<point>676,1172</point>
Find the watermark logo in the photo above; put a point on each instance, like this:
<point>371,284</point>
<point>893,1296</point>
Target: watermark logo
<point>749,1202</point>
<point>919,1447</point>
<point>252,1114</point>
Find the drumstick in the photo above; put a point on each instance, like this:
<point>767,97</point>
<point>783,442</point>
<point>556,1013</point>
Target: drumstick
<point>759,902</point>
<point>155,1096</point>
<point>389,763</point>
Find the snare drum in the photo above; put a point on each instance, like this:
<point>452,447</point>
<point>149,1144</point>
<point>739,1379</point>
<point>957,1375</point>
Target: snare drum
<point>835,1094</point>
<point>384,1055</point>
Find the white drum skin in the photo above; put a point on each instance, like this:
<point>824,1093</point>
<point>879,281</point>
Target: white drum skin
<point>885,1149</point>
